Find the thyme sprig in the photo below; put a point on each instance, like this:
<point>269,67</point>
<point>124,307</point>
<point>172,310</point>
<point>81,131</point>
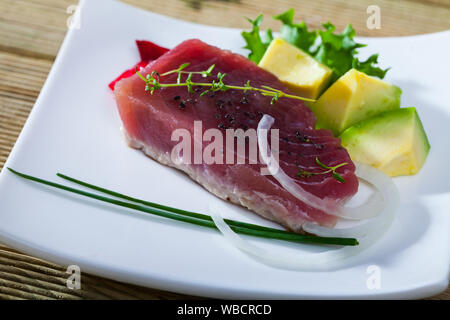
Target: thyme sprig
<point>153,84</point>
<point>179,71</point>
<point>337,176</point>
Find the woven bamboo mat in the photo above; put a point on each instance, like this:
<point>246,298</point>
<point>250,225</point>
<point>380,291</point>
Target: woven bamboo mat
<point>31,32</point>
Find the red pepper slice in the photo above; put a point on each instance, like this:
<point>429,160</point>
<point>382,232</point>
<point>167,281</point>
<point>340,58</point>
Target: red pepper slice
<point>148,52</point>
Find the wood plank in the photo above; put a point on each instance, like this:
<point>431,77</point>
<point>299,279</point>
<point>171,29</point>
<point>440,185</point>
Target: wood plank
<point>31,32</point>
<point>37,28</point>
<point>33,28</point>
<point>398,18</point>
<point>21,80</point>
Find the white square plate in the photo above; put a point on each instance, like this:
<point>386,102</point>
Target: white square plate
<point>74,128</point>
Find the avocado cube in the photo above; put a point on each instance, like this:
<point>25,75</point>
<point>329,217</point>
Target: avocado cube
<point>354,97</point>
<point>393,141</point>
<point>300,72</point>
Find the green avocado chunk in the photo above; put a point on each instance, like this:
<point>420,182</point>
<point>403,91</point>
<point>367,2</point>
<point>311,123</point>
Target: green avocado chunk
<point>393,141</point>
<point>352,98</point>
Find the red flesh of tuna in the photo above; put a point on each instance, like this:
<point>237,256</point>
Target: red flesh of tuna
<point>149,121</point>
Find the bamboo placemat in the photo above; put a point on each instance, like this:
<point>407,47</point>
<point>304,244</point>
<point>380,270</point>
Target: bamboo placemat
<point>31,32</point>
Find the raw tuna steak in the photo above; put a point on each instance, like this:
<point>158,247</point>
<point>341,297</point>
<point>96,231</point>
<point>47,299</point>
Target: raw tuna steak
<point>149,121</point>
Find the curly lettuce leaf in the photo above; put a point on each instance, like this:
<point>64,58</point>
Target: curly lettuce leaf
<point>296,33</point>
<point>254,42</point>
<point>369,66</point>
<point>338,51</point>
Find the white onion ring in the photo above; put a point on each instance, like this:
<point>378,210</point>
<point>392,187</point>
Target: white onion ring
<point>368,233</point>
<point>375,226</point>
<point>323,261</point>
<point>371,208</point>
<point>286,182</point>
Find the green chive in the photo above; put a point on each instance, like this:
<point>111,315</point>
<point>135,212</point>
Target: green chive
<point>192,218</point>
<point>184,212</point>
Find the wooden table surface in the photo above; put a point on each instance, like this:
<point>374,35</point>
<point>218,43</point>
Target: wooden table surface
<point>31,32</point>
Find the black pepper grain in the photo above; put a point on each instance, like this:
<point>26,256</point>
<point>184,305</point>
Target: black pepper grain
<point>318,146</point>
<point>302,138</point>
<point>250,115</point>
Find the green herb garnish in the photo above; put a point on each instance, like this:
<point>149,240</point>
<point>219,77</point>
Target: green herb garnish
<point>153,84</point>
<point>296,33</point>
<point>337,176</point>
<point>368,66</point>
<point>336,50</point>
<point>255,43</point>
<point>187,216</point>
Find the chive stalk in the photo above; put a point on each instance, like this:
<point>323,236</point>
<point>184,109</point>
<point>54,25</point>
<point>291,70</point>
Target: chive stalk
<point>187,216</point>
<point>167,208</point>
